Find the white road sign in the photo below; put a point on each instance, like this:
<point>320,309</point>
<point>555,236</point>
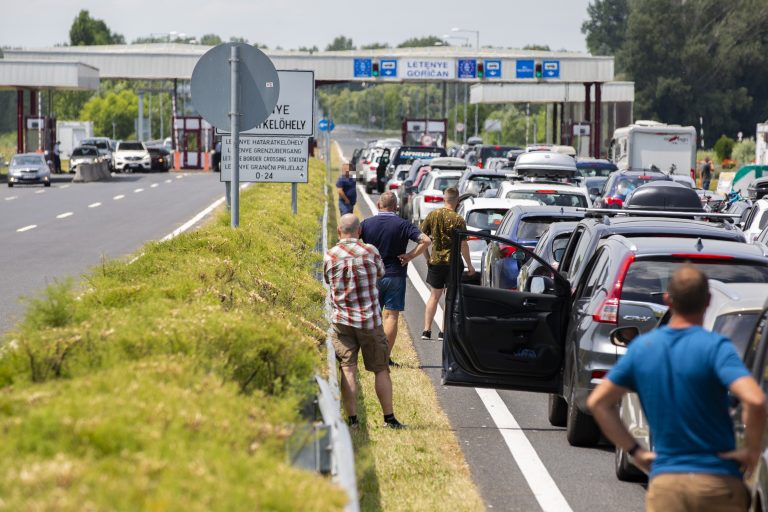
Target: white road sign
<point>294,111</point>
<point>267,159</point>
<point>425,69</point>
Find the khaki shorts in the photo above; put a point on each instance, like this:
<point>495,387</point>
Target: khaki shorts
<point>347,341</point>
<point>672,492</point>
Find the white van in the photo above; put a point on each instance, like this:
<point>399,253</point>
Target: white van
<point>670,148</point>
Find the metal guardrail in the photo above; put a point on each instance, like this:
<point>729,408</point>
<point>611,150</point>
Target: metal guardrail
<point>326,446</point>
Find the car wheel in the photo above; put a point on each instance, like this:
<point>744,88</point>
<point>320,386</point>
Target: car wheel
<point>10,185</point>
<point>625,470</point>
<point>558,411</point>
<point>580,428</point>
<point>47,184</point>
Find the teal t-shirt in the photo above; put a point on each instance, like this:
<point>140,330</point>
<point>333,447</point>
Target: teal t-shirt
<point>682,378</point>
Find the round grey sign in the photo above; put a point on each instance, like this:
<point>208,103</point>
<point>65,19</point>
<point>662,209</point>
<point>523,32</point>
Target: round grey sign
<point>259,86</point>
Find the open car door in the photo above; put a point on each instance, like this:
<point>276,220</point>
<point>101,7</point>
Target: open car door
<point>497,338</point>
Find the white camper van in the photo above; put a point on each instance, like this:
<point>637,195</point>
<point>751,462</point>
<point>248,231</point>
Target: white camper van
<point>671,148</point>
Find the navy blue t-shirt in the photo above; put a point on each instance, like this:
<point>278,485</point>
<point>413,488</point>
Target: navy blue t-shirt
<point>390,234</point>
<point>682,378</point>
<point>349,186</point>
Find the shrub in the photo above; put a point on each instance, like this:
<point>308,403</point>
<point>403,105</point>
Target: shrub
<point>744,151</point>
<point>724,148</point>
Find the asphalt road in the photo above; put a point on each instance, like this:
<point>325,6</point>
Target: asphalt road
<point>518,460</point>
<point>51,233</point>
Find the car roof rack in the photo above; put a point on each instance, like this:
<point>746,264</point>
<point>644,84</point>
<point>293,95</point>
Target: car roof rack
<point>612,212</point>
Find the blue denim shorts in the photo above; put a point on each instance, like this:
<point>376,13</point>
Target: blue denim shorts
<point>392,293</point>
<point>345,208</point>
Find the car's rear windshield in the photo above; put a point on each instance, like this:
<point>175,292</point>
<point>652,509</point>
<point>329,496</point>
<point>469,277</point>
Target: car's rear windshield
<point>27,160</point>
<point>85,152</point>
<point>406,156</point>
<point>479,184</point>
<point>445,182</point>
<point>487,152</point>
<point>101,144</point>
<point>626,184</point>
<point>738,327</point>
<point>593,171</point>
<point>130,146</point>
<point>486,218</point>
<point>531,228</point>
<point>550,197</point>
<point>647,279</point>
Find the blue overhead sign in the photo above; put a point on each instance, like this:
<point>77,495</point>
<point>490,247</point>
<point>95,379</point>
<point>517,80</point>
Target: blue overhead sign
<point>550,68</point>
<point>362,68</point>
<point>524,68</point>
<point>388,68</point>
<point>467,68</point>
<point>493,69</point>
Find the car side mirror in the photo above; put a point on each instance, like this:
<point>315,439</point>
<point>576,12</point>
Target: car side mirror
<point>623,336</point>
<point>541,284</point>
<point>486,232</point>
<point>594,191</point>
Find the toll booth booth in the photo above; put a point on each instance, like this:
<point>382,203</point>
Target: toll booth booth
<point>193,140</point>
<point>39,134</point>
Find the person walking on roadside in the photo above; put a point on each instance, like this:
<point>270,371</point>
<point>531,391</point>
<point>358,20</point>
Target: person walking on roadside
<point>351,269</point>
<point>390,235</point>
<point>347,189</point>
<point>706,173</point>
<point>57,157</point>
<point>439,226</point>
<point>682,374</point>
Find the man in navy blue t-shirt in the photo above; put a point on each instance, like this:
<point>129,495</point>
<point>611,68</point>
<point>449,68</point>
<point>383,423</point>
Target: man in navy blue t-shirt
<point>347,189</point>
<point>390,235</point>
<point>682,374</point>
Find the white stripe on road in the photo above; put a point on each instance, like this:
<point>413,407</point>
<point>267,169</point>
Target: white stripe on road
<point>26,228</point>
<point>179,176</point>
<point>64,186</point>
<point>169,181</point>
<point>40,191</point>
<point>64,215</point>
<point>154,185</point>
<point>11,198</point>
<point>136,191</point>
<point>116,198</point>
<point>197,218</point>
<point>539,480</point>
<point>94,205</point>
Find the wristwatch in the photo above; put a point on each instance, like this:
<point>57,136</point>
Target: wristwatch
<point>632,451</point>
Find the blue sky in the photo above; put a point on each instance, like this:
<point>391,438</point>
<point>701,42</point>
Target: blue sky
<point>294,23</point>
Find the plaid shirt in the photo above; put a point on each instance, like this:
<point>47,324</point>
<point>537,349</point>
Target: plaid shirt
<point>352,268</point>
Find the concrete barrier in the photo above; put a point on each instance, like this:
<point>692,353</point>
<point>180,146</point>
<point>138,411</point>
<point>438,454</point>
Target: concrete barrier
<point>92,172</point>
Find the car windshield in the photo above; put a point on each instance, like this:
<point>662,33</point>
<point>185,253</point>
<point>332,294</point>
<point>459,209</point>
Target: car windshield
<point>738,327</point>
<point>647,279</point>
<point>531,228</point>
<point>84,152</point>
<point>444,182</point>
<point>131,146</point>
<point>626,184</point>
<point>486,218</point>
<point>494,152</point>
<point>550,197</point>
<point>479,184</point>
<point>27,160</point>
<point>601,171</point>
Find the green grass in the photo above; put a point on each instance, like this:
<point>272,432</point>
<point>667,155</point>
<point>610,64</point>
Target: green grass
<point>173,383</point>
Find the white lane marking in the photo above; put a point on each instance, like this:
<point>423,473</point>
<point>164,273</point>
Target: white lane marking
<point>64,186</point>
<point>169,181</point>
<point>40,191</point>
<point>11,198</point>
<point>64,215</point>
<point>26,228</point>
<point>94,205</point>
<point>539,480</point>
<point>179,176</point>
<point>116,198</point>
<point>136,191</point>
<point>154,185</point>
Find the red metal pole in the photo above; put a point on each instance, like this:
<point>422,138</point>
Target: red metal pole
<point>588,110</point>
<point>598,118</point>
<point>19,120</point>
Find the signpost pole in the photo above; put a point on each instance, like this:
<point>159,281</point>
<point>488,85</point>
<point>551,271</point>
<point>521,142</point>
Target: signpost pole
<point>294,198</point>
<point>328,155</point>
<point>234,128</point>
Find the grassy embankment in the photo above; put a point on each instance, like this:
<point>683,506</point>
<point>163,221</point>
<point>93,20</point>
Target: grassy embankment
<point>173,383</point>
<point>421,468</point>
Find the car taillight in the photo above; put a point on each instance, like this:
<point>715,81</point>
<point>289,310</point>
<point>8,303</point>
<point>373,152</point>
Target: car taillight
<point>480,164</point>
<point>599,374</point>
<point>546,191</point>
<point>433,199</point>
<point>471,237</point>
<point>374,167</point>
<point>614,201</point>
<point>507,250</point>
<point>608,311</point>
<point>393,186</point>
<point>697,256</point>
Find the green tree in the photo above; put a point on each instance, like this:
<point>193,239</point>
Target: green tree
<point>606,26</point>
<point>234,39</point>
<point>210,40</point>
<point>538,47</point>
<point>724,148</point>
<point>420,42</point>
<point>116,107</point>
<point>87,31</point>
<point>67,105</point>
<point>375,46</point>
<point>340,43</point>
<point>310,50</point>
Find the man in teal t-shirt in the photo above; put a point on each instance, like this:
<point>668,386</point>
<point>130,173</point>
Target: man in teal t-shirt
<point>682,374</point>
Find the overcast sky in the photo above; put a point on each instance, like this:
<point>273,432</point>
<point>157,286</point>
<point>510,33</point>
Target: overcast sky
<point>294,23</point>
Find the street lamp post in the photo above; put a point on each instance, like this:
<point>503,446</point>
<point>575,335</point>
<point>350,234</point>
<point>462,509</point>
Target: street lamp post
<point>465,39</point>
<point>476,32</point>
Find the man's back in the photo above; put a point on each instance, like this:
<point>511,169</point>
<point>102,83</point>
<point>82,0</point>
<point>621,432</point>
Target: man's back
<point>351,268</point>
<point>439,226</point>
<point>682,378</point>
<point>390,235</point>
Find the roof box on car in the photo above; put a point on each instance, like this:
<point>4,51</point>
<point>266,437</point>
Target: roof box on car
<point>545,165</point>
<point>664,196</point>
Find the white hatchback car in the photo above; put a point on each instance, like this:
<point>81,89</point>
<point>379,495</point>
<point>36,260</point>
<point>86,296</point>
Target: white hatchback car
<point>430,193</point>
<point>546,193</point>
<point>756,221</point>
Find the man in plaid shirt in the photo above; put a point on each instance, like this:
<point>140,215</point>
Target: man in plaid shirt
<point>352,269</point>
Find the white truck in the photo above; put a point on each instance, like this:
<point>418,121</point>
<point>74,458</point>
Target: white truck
<point>70,133</point>
<point>761,144</point>
<point>669,147</point>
